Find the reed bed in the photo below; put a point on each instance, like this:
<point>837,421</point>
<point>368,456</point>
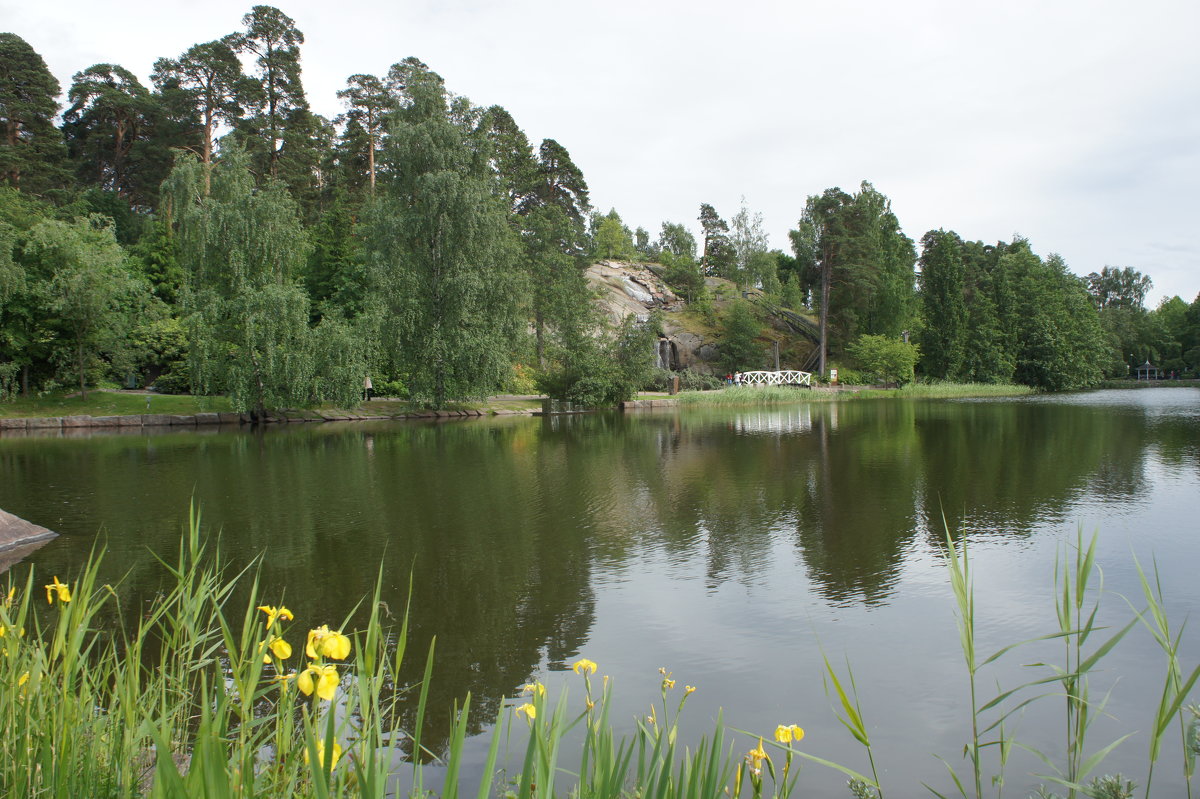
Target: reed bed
<point>196,698</point>
<point>781,395</point>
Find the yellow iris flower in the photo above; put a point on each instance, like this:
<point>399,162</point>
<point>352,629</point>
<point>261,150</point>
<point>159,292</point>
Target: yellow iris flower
<point>756,756</point>
<point>323,642</point>
<point>325,762</point>
<point>64,593</point>
<point>279,647</point>
<point>584,666</point>
<point>527,710</point>
<point>688,690</point>
<point>534,688</point>
<point>274,614</point>
<point>787,733</point>
<point>322,679</point>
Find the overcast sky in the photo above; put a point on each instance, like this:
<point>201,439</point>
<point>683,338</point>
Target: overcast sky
<point>1074,123</point>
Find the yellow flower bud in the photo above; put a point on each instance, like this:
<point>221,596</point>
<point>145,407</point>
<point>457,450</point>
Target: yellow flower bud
<point>527,710</point>
<point>756,756</point>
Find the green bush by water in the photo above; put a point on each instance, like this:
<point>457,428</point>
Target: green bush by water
<point>195,697</point>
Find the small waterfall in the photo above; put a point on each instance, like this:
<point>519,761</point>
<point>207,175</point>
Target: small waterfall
<point>662,358</point>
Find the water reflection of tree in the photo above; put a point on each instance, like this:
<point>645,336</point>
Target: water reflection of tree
<point>502,524</point>
<point>1004,468</point>
<point>467,510</point>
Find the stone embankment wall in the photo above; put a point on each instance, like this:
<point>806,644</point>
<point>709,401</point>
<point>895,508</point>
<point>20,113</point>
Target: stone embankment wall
<point>159,421</point>
<point>633,405</point>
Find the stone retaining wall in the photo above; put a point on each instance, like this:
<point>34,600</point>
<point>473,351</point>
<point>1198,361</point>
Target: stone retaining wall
<point>159,421</point>
<point>633,405</point>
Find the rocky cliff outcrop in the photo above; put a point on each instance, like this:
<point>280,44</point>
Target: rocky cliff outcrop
<point>625,289</point>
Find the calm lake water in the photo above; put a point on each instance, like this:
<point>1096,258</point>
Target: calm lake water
<point>732,547</point>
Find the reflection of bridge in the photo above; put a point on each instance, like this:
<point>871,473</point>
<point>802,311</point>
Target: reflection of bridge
<point>782,378</point>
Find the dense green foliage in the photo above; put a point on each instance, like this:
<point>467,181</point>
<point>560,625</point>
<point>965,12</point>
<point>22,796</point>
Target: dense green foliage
<point>885,359</point>
<point>739,331</point>
<point>423,239</point>
<point>443,258</point>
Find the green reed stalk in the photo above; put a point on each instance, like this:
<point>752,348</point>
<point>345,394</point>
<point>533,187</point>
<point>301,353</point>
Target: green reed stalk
<point>1175,688</point>
<point>963,587</point>
<point>851,716</point>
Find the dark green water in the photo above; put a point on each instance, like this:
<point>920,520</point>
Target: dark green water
<point>728,546</point>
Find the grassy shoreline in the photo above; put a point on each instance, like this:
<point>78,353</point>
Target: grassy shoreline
<point>779,395</point>
<point>131,403</point>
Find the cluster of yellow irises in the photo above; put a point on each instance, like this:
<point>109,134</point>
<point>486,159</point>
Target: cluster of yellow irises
<point>582,666</point>
<point>319,677</point>
<point>784,734</point>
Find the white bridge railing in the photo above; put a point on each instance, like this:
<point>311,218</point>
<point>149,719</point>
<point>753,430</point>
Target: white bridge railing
<point>782,378</point>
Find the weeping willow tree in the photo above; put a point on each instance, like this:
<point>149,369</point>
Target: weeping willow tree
<point>244,249</point>
<point>442,254</point>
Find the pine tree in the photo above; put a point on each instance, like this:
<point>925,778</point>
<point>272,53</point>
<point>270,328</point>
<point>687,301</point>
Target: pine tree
<point>369,103</point>
<point>111,113</point>
<point>943,287</point>
<point>210,77</point>
<point>273,39</point>
<point>32,152</point>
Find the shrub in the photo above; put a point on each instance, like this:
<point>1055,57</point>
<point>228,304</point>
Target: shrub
<point>390,388</point>
<point>886,359</point>
<point>173,381</point>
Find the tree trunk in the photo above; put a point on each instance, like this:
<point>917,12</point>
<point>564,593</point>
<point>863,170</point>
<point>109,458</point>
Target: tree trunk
<point>539,337</point>
<point>371,159</point>
<point>79,363</point>
<point>208,131</point>
<point>825,280</point>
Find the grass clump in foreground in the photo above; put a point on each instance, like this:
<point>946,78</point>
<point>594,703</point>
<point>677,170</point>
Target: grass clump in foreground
<point>188,700</point>
<point>778,395</point>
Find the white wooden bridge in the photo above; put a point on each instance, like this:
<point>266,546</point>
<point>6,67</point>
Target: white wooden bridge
<point>781,378</point>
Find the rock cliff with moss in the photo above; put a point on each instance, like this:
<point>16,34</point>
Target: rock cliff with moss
<point>691,333</point>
